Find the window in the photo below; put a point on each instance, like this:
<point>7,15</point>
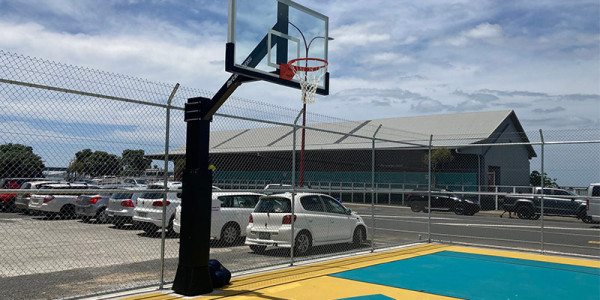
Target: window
<point>596,191</point>
<point>226,201</point>
<point>246,201</point>
<point>312,203</point>
<point>122,196</point>
<point>333,206</point>
<point>273,205</point>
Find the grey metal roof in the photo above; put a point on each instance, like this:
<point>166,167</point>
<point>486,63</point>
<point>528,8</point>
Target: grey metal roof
<point>447,130</point>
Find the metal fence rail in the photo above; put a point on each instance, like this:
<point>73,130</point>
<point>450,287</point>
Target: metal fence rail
<point>76,141</point>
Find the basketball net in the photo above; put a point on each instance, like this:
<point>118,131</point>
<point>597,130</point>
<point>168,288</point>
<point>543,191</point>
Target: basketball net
<point>308,72</point>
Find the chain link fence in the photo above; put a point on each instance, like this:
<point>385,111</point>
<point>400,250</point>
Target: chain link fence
<point>91,164</point>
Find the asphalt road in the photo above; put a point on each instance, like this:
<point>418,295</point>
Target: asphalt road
<point>53,258</point>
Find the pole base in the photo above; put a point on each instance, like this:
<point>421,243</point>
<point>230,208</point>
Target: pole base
<point>190,281</point>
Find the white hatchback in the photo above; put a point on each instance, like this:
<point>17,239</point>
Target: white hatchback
<point>319,220</point>
<point>148,212</point>
<point>229,216</point>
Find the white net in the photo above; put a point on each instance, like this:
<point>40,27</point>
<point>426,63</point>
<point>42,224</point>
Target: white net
<point>309,73</point>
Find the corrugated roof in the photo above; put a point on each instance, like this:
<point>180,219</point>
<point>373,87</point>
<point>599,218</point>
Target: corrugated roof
<point>447,130</point>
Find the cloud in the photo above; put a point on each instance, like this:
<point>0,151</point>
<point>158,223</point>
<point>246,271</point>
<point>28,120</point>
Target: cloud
<point>491,33</point>
<point>565,121</point>
<point>549,110</point>
<point>481,97</point>
<point>429,106</point>
<point>359,34</point>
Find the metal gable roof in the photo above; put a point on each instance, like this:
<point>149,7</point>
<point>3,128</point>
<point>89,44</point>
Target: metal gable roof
<point>447,130</point>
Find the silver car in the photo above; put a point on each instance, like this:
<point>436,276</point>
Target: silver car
<point>121,206</point>
<point>93,206</point>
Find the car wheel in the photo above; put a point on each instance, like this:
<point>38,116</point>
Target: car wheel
<point>416,206</point>
<point>587,220</point>
<point>85,219</point>
<point>230,233</point>
<point>360,236</point>
<point>524,212</point>
<point>102,216</point>
<point>535,216</point>
<point>257,248</point>
<point>67,211</point>
<point>169,230</point>
<point>303,243</point>
<point>149,228</point>
<point>459,208</point>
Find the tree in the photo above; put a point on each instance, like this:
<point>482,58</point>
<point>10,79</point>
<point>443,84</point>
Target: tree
<point>178,169</point>
<point>18,160</point>
<point>77,166</point>
<point>439,157</point>
<point>134,162</point>
<point>535,179</point>
<point>95,163</point>
<point>102,163</point>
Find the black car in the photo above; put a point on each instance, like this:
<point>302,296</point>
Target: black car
<point>442,200</point>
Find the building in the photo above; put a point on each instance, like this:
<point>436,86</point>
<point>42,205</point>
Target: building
<point>488,149</point>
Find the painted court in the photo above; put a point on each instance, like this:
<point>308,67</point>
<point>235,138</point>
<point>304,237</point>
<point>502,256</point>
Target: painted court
<point>428,271</point>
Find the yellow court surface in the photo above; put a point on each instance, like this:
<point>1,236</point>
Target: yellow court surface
<point>429,271</point>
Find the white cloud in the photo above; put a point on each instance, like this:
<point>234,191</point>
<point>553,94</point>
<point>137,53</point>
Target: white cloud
<point>485,32</point>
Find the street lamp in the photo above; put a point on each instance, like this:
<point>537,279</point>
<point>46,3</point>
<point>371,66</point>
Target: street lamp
<point>307,47</point>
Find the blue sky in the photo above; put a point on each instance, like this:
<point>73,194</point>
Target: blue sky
<point>389,58</point>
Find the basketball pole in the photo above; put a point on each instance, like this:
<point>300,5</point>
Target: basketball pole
<point>193,276</point>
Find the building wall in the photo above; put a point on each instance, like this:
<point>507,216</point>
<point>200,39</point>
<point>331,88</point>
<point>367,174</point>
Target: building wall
<point>513,161</point>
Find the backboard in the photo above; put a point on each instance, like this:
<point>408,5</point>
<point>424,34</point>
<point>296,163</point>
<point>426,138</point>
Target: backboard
<point>263,34</point>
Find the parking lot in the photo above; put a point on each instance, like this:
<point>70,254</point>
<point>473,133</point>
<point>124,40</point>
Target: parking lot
<point>50,258</point>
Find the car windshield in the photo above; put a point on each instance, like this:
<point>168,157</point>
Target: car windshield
<point>273,205</point>
<point>142,181</point>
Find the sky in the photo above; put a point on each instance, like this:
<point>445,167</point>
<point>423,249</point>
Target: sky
<point>389,58</point>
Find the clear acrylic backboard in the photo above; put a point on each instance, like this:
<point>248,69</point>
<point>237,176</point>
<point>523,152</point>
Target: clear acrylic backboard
<point>263,34</point>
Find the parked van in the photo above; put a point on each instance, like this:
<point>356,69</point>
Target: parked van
<point>593,202</point>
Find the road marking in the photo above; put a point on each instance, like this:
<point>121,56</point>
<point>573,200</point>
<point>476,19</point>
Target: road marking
<point>411,217</point>
<point>514,226</point>
<point>594,242</point>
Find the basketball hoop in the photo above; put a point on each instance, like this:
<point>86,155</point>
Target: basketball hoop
<point>309,72</point>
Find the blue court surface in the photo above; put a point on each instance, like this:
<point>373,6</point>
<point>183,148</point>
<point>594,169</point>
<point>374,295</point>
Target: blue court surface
<point>427,271</point>
<point>476,276</point>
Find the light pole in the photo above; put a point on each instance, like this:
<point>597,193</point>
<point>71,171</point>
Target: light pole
<point>307,47</point>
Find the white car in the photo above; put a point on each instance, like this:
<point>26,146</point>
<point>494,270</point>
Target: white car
<point>319,220</point>
<point>22,200</point>
<point>62,203</point>
<point>229,216</point>
<point>148,211</point>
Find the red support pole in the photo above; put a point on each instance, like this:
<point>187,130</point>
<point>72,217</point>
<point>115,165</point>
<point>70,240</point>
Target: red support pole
<point>301,183</point>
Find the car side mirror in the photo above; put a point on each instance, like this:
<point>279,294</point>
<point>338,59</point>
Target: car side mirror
<point>348,211</point>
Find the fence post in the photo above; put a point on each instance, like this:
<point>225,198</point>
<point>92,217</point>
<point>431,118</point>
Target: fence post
<point>542,193</point>
<point>496,196</point>
<point>294,184</point>
<point>165,179</point>
<point>429,191</point>
<point>373,189</point>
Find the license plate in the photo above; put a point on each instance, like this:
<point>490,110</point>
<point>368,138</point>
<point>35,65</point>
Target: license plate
<point>264,235</point>
<point>142,214</point>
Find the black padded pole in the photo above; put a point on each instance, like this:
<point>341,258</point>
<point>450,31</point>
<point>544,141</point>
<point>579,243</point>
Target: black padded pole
<point>193,277</point>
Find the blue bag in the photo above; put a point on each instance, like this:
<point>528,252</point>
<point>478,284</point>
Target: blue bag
<point>219,275</point>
